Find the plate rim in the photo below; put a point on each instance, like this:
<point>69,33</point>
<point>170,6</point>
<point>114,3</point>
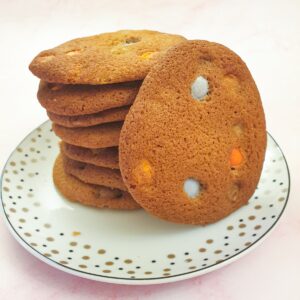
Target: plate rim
<point>137,281</point>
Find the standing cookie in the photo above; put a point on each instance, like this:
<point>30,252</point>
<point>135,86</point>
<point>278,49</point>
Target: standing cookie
<point>125,55</point>
<point>193,144</point>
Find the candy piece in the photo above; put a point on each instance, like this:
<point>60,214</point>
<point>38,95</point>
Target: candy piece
<point>234,192</point>
<point>143,172</point>
<point>147,55</point>
<point>192,187</point>
<point>238,129</point>
<point>236,157</point>
<point>199,88</point>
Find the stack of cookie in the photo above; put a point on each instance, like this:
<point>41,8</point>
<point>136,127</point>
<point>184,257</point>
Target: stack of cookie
<point>87,87</point>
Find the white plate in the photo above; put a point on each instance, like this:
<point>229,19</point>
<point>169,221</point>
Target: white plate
<point>128,247</point>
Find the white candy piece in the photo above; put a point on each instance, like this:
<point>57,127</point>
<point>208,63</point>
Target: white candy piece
<point>199,88</point>
<point>192,187</point>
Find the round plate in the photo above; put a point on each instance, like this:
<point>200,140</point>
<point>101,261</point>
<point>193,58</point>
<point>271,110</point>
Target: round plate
<point>128,247</point>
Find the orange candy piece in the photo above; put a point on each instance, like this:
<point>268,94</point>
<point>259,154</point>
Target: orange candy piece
<point>143,172</point>
<point>236,157</point>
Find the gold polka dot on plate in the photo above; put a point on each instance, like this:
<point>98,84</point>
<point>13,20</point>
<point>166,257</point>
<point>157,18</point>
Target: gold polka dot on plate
<point>83,266</point>
<point>22,220</point>
<point>202,250</point>
<point>251,218</point>
<point>257,227</point>
<point>188,260</point>
<point>101,251</point>
<point>55,251</point>
<point>171,256</point>
<point>192,267</point>
<point>85,257</point>
<point>25,209</point>
<point>87,247</point>
<point>73,244</point>
<point>127,261</point>
<point>242,225</point>
<point>76,233</point>
<point>218,251</point>
<point>230,227</point>
<point>148,273</point>
<point>167,270</point>
<point>209,241</point>
<point>257,206</point>
<point>47,225</point>
<point>109,263</point>
<point>242,233</point>
<point>63,262</point>
<point>130,272</point>
<point>106,271</point>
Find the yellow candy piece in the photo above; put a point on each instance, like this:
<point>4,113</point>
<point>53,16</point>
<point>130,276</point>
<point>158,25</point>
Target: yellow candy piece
<point>146,55</point>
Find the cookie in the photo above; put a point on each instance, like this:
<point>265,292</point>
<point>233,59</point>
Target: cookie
<point>100,136</point>
<point>193,143</point>
<point>94,175</point>
<point>89,194</point>
<point>106,116</point>
<point>77,100</point>
<point>103,157</point>
<point>120,56</point>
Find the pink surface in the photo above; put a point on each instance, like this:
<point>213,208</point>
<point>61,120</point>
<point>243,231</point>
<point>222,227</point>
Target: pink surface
<point>265,33</point>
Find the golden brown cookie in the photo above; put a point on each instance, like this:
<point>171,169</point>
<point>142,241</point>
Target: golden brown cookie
<point>120,56</point>
<point>106,116</point>
<point>193,143</point>
<point>89,194</point>
<point>94,175</point>
<point>76,100</point>
<point>103,157</point>
<point>100,136</point>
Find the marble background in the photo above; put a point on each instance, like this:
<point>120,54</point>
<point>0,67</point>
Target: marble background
<point>266,34</point>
